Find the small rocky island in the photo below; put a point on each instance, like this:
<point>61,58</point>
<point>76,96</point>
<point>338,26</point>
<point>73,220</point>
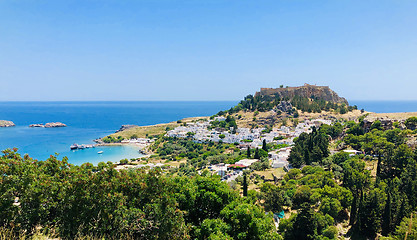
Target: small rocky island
<point>49,125</point>
<point>5,123</point>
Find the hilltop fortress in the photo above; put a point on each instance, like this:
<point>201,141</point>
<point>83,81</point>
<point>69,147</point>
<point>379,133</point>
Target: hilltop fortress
<point>307,91</point>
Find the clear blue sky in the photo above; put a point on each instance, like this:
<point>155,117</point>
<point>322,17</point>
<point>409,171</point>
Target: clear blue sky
<point>205,50</point>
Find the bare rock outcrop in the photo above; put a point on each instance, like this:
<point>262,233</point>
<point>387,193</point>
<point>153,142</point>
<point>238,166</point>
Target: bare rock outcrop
<point>386,124</point>
<point>284,106</point>
<point>307,91</point>
<point>5,123</point>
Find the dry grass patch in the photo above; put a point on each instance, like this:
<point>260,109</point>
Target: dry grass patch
<point>245,119</point>
<point>352,115</point>
<point>176,163</point>
<point>268,173</point>
<point>157,129</point>
<point>253,187</point>
<point>144,131</point>
<point>371,166</point>
<point>394,116</point>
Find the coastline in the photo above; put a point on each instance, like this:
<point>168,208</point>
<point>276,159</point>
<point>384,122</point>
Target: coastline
<point>57,139</point>
<point>140,146</point>
<point>103,153</point>
<point>88,120</point>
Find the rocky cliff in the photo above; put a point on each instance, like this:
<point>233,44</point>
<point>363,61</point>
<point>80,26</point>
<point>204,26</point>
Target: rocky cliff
<point>320,92</point>
<point>4,123</point>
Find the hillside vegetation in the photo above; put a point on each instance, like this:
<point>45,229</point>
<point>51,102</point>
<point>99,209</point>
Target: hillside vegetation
<point>368,192</point>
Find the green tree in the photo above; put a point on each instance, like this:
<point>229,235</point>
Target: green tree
<point>211,227</point>
<point>411,123</point>
<point>301,196</point>
<point>331,206</point>
<point>355,129</point>
<point>370,212</point>
<point>304,225</point>
<point>264,147</point>
<point>248,154</point>
<point>404,227</point>
<point>387,217</point>
<point>257,154</point>
<point>202,198</point>
<point>123,161</point>
<point>357,179</point>
<point>248,222</point>
<point>296,114</point>
<point>309,148</point>
<point>376,125</point>
<point>334,130</point>
<point>330,232</point>
<point>274,198</point>
<point>245,185</point>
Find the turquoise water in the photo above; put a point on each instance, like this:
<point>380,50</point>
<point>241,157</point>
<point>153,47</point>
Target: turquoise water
<point>87,121</point>
<point>110,153</point>
<point>90,120</point>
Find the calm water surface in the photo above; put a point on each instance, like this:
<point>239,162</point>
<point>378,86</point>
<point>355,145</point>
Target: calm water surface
<point>90,120</point>
<point>87,121</point>
<point>386,106</point>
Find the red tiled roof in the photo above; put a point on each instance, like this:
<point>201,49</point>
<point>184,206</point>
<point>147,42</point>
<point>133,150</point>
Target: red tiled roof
<point>236,166</point>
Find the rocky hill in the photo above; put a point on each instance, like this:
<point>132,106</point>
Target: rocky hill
<point>306,91</point>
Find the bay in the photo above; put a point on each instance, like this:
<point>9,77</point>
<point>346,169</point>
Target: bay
<point>90,120</point>
<point>87,121</point>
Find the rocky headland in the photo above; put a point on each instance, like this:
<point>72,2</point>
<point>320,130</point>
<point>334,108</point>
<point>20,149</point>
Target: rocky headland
<point>5,123</point>
<point>125,127</point>
<point>49,125</point>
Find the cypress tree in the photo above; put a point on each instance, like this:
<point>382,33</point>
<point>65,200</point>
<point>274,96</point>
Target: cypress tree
<point>264,145</point>
<point>402,212</point>
<point>305,224</point>
<point>353,210</point>
<point>378,170</point>
<point>360,210</point>
<point>248,153</point>
<point>386,218</point>
<point>245,185</point>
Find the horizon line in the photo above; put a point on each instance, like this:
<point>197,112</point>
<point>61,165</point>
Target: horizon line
<point>17,101</point>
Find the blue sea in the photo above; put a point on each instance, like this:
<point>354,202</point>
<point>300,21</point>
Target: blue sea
<point>386,106</point>
<point>90,120</point>
<point>87,121</point>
